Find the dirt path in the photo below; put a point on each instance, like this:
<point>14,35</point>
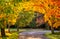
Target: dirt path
<point>32,35</point>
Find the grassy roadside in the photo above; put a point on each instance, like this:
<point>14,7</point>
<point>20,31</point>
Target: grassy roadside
<point>53,36</point>
<point>12,35</point>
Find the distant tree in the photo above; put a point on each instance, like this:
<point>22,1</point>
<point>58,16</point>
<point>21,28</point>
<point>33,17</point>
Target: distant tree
<point>33,23</point>
<point>24,18</point>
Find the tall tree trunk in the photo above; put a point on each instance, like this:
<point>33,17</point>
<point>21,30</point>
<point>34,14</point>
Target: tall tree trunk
<point>9,28</point>
<point>3,32</point>
<point>52,30</point>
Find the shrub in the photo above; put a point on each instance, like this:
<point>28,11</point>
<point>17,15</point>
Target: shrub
<point>14,36</point>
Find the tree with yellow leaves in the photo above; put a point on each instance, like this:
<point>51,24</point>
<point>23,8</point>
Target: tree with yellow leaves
<point>8,13</point>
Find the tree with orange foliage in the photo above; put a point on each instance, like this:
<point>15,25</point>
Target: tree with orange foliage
<point>53,15</point>
<point>51,9</point>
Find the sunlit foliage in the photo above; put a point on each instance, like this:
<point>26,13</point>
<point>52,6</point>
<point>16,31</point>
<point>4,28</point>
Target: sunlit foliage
<point>24,18</point>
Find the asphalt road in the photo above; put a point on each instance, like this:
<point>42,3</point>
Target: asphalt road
<point>33,34</point>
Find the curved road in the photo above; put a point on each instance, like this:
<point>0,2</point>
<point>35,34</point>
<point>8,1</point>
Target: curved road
<point>34,34</point>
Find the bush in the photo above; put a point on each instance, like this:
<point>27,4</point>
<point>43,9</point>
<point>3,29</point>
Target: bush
<point>14,36</point>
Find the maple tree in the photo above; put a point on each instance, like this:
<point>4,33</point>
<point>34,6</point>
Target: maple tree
<point>53,14</point>
<point>50,9</point>
<point>53,10</point>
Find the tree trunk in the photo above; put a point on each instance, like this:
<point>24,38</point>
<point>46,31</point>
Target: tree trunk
<point>9,28</point>
<point>47,26</point>
<point>52,30</point>
<point>17,28</point>
<point>3,32</point>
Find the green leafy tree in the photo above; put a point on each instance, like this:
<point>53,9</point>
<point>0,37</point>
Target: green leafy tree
<point>24,18</point>
<point>3,16</point>
<point>8,14</point>
<point>32,23</point>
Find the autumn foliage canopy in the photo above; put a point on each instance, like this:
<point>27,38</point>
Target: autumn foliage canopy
<point>50,9</point>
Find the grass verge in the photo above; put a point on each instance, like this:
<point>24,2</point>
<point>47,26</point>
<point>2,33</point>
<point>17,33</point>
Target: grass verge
<point>53,36</point>
<point>10,36</point>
